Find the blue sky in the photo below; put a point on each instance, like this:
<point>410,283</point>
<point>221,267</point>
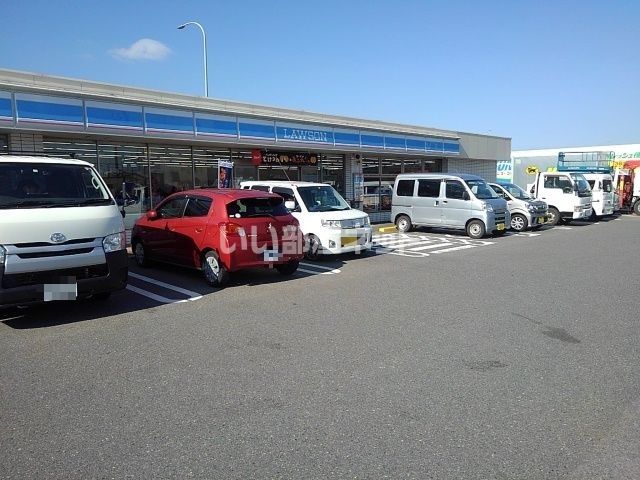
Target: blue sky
<point>545,73</point>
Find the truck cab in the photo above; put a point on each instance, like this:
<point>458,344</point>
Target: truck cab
<point>602,193</point>
<point>567,193</point>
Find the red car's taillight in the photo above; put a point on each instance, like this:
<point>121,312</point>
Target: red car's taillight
<point>232,229</point>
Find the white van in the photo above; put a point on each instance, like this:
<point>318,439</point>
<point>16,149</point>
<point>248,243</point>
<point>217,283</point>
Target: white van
<point>328,223</point>
<point>448,200</point>
<point>61,233</point>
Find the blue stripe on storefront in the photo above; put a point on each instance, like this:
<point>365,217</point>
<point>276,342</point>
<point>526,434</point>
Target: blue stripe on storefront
<point>451,147</point>
<point>216,127</point>
<point>413,144</point>
<point>395,142</point>
<point>372,140</point>
<point>256,130</point>
<point>116,118</point>
<point>342,138</point>
<point>28,109</point>
<point>5,107</point>
<point>157,121</point>
<point>63,110</point>
<point>432,146</point>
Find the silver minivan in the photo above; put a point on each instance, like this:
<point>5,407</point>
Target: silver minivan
<point>448,200</point>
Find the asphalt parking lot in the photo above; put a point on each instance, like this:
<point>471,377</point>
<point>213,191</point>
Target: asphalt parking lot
<point>436,356</point>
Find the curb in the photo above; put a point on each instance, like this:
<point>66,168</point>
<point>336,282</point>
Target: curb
<point>386,228</point>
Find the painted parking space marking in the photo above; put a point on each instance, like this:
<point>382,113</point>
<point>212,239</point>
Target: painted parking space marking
<point>417,245</point>
<point>453,249</point>
<point>193,296</point>
<point>317,269</point>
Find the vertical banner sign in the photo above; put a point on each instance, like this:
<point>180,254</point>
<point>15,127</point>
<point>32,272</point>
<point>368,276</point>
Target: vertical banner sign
<point>225,174</point>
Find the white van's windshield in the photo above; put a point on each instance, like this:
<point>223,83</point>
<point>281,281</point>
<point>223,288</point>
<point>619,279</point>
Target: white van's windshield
<point>322,198</point>
<point>481,190</point>
<point>46,185</point>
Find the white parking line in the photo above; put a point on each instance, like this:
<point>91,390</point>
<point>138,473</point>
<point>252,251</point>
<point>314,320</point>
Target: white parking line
<point>453,249</point>
<point>428,247</point>
<point>193,296</point>
<point>328,270</point>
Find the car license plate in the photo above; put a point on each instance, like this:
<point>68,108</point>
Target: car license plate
<point>271,255</point>
<point>348,241</point>
<point>500,226</point>
<point>540,219</point>
<point>60,291</point>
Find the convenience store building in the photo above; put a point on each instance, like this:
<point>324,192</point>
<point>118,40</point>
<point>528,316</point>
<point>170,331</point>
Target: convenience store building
<point>147,144</point>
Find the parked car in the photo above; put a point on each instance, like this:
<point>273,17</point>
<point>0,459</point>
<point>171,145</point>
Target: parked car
<point>526,211</point>
<point>218,232</point>
<point>448,200</point>
<point>61,233</point>
<point>328,223</point>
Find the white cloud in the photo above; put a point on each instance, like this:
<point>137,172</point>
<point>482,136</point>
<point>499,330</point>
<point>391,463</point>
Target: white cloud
<point>143,49</point>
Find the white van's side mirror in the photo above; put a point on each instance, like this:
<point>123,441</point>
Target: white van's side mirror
<point>290,205</point>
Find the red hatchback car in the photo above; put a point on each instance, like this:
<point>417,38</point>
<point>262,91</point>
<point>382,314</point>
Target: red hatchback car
<point>220,231</point>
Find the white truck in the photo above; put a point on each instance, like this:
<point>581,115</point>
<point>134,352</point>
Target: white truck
<point>596,168</point>
<point>567,193</point>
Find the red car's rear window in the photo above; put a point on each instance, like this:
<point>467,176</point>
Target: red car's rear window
<point>257,207</point>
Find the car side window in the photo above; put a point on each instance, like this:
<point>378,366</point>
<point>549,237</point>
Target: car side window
<point>262,188</point>
<point>405,188</point>
<point>499,192</point>
<point>429,188</point>
<point>174,208</point>
<point>197,207</point>
<point>454,190</point>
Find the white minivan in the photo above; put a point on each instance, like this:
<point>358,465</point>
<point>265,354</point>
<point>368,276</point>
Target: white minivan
<point>328,223</point>
<point>61,233</point>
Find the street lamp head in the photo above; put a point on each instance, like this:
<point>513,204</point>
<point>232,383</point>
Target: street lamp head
<point>182,26</point>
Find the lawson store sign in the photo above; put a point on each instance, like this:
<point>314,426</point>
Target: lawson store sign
<point>47,112</point>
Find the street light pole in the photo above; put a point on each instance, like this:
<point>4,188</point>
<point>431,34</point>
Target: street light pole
<point>204,44</point>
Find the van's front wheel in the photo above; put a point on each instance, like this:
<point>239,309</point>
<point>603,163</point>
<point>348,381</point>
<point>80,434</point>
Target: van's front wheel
<point>403,224</point>
<point>475,229</point>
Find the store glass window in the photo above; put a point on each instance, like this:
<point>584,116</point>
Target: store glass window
<point>280,172</point>
<point>125,166</point>
<point>243,169</point>
<point>370,166</point>
<point>205,168</point>
<point>4,143</point>
<point>390,166</point>
<point>171,170</point>
<point>412,165</point>
<point>331,172</point>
